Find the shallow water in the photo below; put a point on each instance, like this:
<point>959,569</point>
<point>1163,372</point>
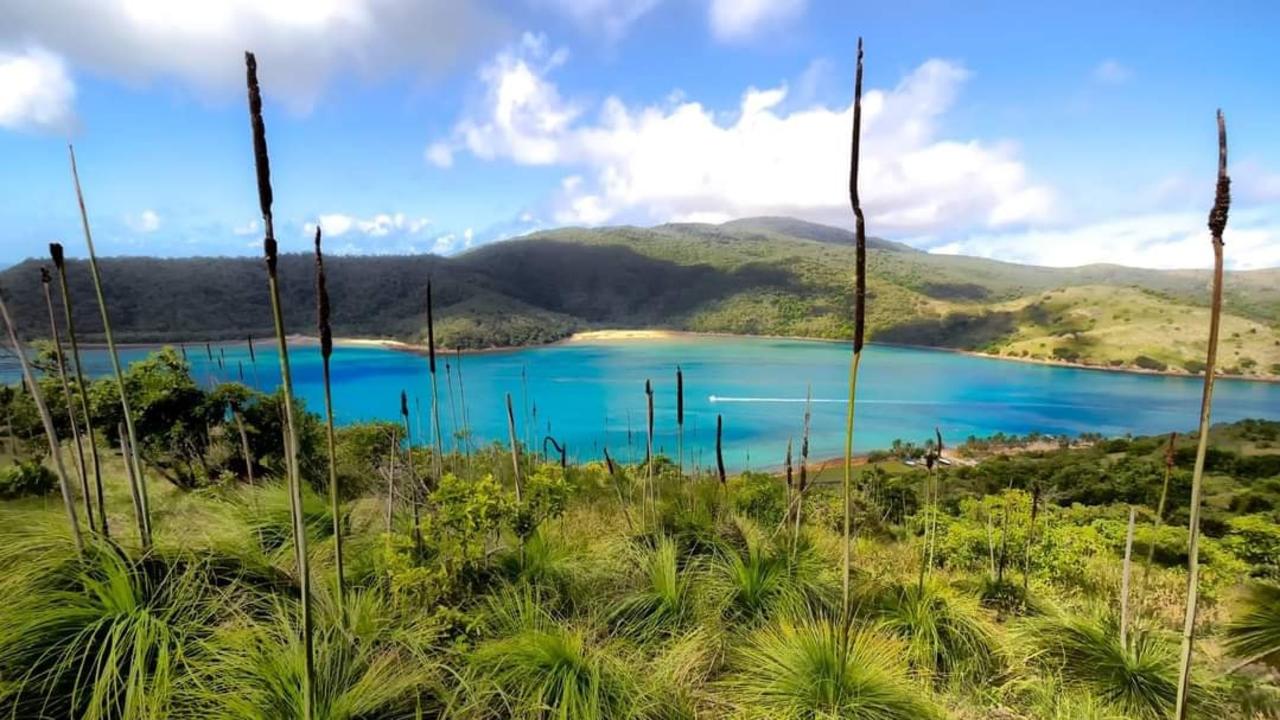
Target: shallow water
<point>589,393</point>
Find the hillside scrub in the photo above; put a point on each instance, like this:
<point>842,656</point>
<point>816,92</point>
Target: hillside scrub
<point>568,602</point>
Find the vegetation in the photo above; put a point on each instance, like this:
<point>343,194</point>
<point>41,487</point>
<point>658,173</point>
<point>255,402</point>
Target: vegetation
<point>568,602</point>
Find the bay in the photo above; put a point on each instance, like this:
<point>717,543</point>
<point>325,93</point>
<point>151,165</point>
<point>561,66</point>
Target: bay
<point>591,393</point>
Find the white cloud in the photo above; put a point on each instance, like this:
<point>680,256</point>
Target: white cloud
<point>147,221</point>
<point>1112,72</point>
<point>381,225</point>
<point>683,160</point>
<point>253,227</point>
<point>610,18</point>
<point>36,93</point>
<point>300,43</point>
<point>1160,240</point>
<point>741,19</point>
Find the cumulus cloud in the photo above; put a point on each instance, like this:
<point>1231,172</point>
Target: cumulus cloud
<point>733,20</point>
<point>610,18</point>
<point>147,221</point>
<point>381,225</point>
<point>301,43</point>
<point>1159,240</point>
<point>685,160</point>
<point>36,92</point>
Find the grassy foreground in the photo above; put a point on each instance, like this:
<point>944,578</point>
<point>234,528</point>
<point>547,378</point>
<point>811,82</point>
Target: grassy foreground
<point>578,602</point>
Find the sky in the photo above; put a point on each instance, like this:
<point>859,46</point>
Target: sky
<point>1048,133</point>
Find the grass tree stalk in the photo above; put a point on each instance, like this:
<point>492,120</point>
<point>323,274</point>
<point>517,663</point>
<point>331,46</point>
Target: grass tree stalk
<point>1159,519</point>
<point>391,478</point>
<point>1124,580</point>
<point>437,458</point>
<point>680,421</point>
<point>59,264</point>
<point>462,402</point>
<point>515,447</point>
<point>138,485</point>
<point>326,355</point>
<point>859,331</point>
<point>415,498</point>
<point>803,482</point>
<point>650,490</point>
<point>1031,534</point>
<point>1217,224</point>
<point>720,448</point>
<point>262,166</point>
<point>244,441</point>
<point>46,418</point>
<point>81,470</point>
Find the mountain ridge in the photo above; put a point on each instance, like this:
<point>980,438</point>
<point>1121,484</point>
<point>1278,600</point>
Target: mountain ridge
<point>754,276</point>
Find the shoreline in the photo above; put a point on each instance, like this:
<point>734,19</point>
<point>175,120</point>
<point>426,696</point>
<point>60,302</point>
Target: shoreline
<point>650,334</point>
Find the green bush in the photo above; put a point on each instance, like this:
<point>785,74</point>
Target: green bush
<point>26,478</point>
<point>1255,539</point>
<point>762,497</point>
<point>1147,362</point>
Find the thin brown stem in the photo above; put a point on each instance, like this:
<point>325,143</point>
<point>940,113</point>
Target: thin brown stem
<point>1217,224</point>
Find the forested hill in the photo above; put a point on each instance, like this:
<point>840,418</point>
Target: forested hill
<point>775,276</point>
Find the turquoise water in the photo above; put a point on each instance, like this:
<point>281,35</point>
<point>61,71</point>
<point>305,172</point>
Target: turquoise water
<point>588,394</point>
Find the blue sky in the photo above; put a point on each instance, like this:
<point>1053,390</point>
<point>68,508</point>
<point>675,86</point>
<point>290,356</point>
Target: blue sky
<point>1057,133</point>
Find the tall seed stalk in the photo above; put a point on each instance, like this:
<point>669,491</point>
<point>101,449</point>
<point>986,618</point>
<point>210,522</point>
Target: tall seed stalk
<point>59,264</point>
<point>82,471</point>
<point>138,483</point>
<point>1159,519</point>
<point>803,483</point>
<point>326,354</point>
<point>680,420</point>
<point>515,446</point>
<point>1217,224</point>
<point>1124,580</point>
<point>262,165</point>
<point>859,330</point>
<point>651,491</point>
<point>720,448</point>
<point>55,449</point>
<point>413,480</point>
<point>438,456</point>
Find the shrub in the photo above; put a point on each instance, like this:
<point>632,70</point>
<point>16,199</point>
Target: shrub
<point>1255,539</point>
<point>761,497</point>
<point>1147,362</point>
<point>26,478</point>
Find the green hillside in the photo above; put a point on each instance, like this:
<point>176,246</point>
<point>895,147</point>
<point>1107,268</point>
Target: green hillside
<point>777,276</point>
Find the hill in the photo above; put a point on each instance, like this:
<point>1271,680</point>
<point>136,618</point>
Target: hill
<point>776,276</point>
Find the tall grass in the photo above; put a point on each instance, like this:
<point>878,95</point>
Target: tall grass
<point>808,668</point>
<point>104,636</point>
<point>138,482</point>
<point>81,470</point>
<point>1217,224</point>
<point>262,165</point>
<point>859,326</point>
<point>46,419</point>
<point>59,264</point>
<point>1254,635</point>
<point>1141,681</point>
<point>326,355</point>
<point>946,634</point>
